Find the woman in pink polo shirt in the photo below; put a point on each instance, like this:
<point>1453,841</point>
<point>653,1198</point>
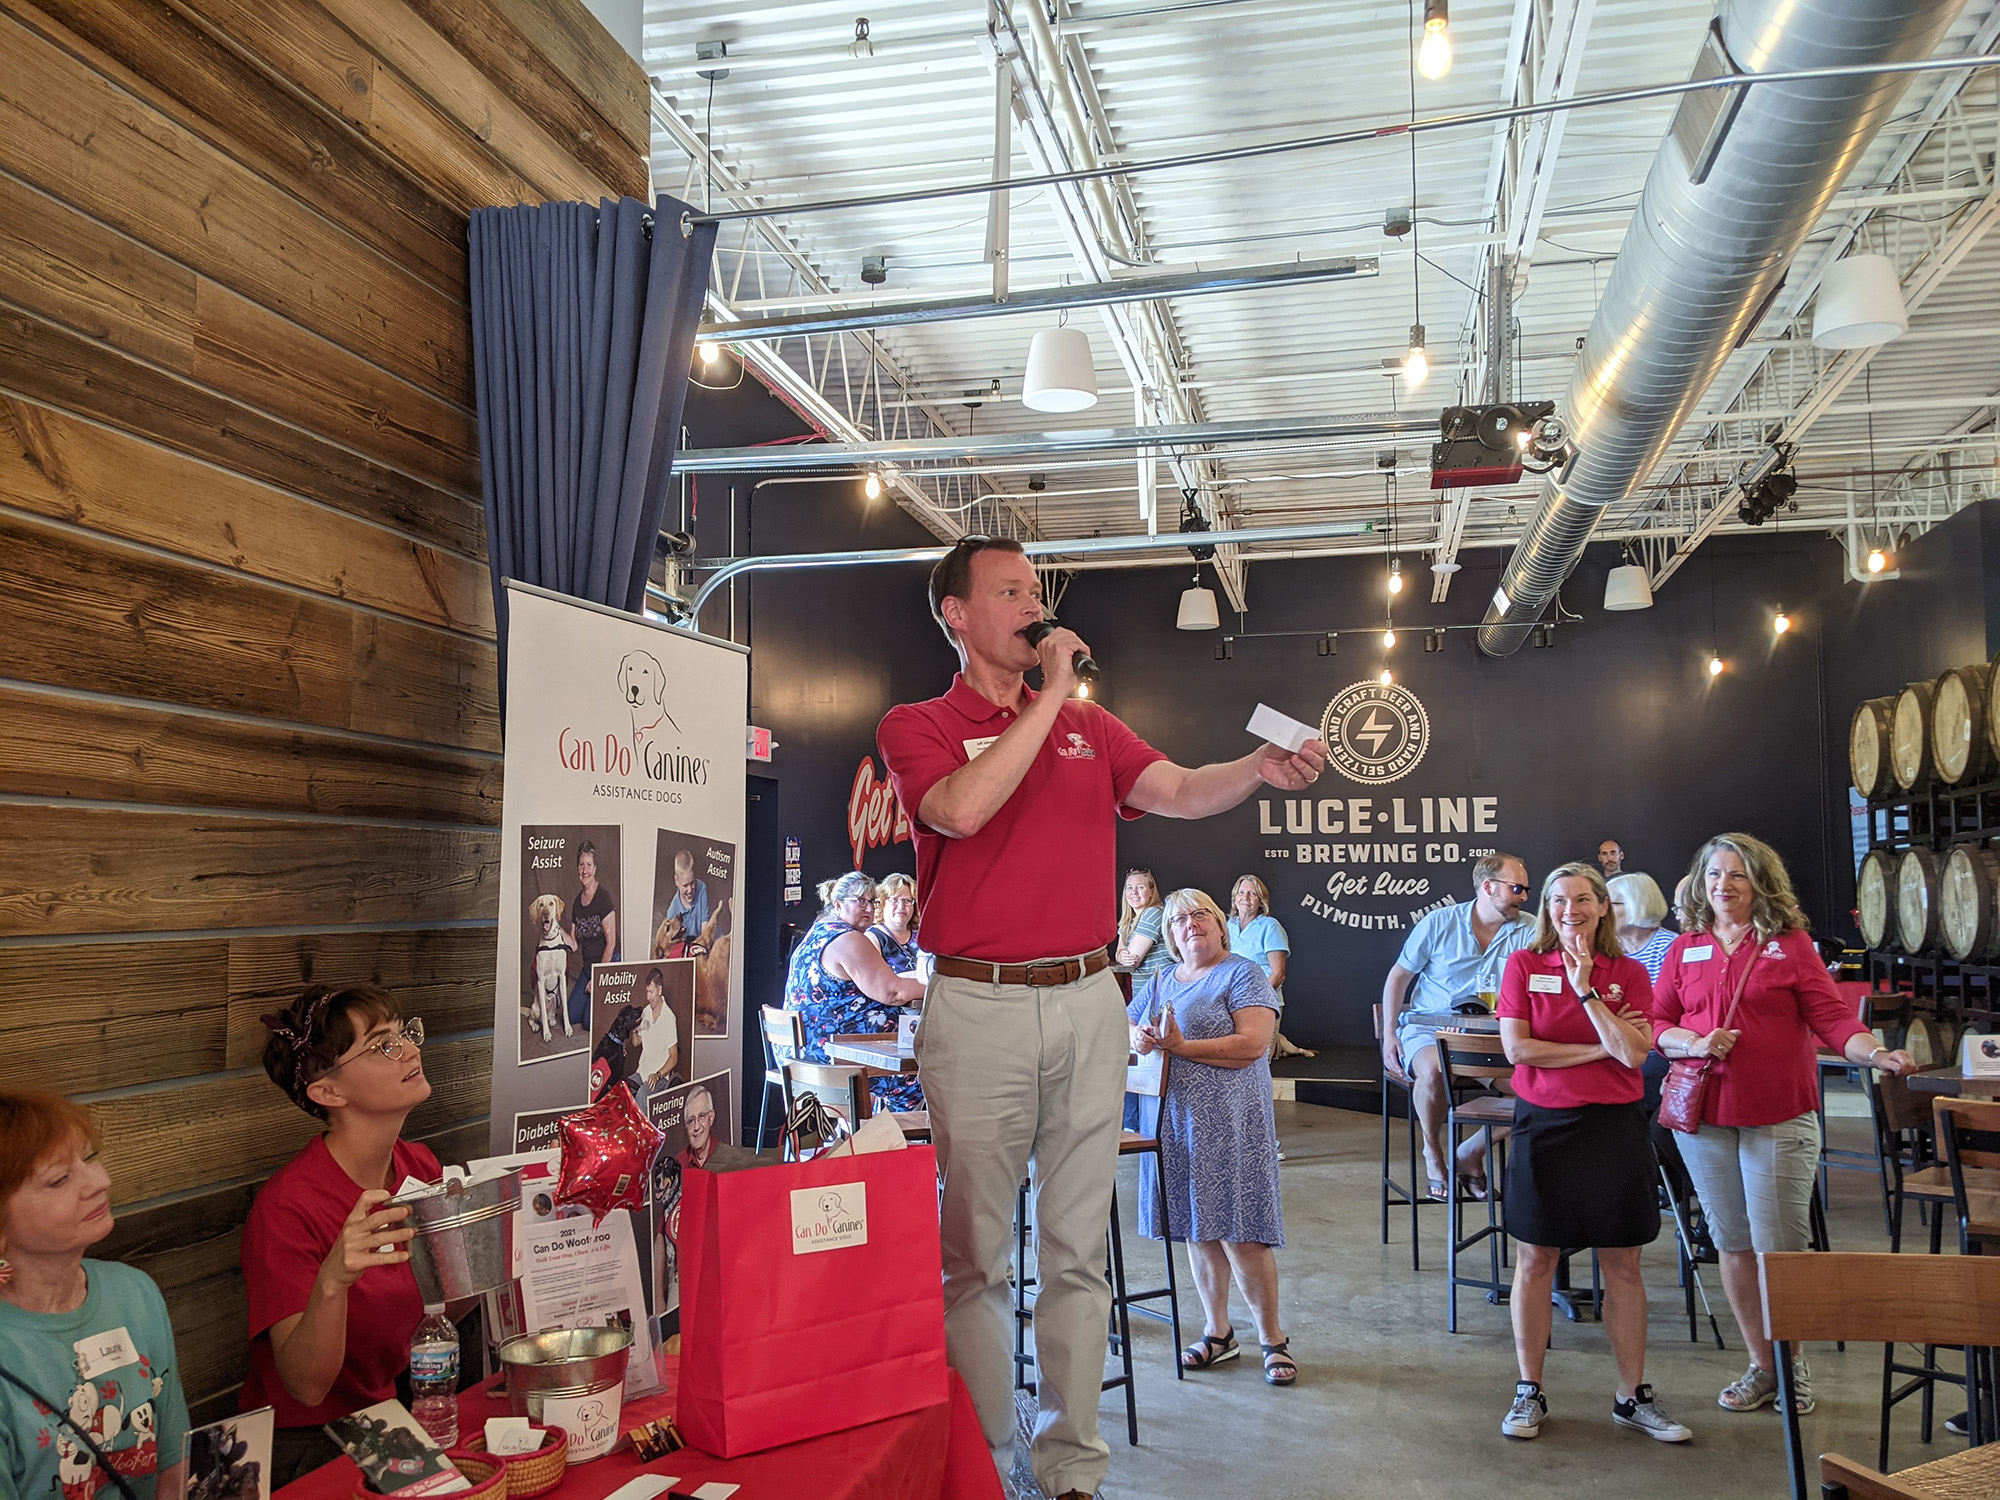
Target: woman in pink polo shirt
<point>1574,1018</point>
<point>1754,1159</point>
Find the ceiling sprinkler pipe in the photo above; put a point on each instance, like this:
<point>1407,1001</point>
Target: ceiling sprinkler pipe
<point>1068,547</point>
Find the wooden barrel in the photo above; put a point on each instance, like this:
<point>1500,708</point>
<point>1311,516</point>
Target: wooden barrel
<point>1921,1041</point>
<point>1992,717</point>
<point>1910,737</point>
<point>1868,746</point>
<point>1959,742</point>
<point>1917,900</point>
<point>1968,911</point>
<point>1875,897</point>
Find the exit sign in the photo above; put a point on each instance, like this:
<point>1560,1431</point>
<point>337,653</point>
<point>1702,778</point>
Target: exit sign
<point>760,744</point>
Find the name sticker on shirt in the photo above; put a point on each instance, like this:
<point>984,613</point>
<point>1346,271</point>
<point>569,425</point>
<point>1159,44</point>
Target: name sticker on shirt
<point>1545,984</point>
<point>1697,955</point>
<point>975,748</point>
<point>101,1353</point>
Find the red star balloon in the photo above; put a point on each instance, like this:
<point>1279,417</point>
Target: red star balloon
<point>607,1155</point>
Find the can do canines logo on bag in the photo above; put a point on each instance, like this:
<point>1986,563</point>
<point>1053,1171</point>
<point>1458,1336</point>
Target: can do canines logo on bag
<point>642,739</point>
<point>1375,731</point>
<point>829,1218</point>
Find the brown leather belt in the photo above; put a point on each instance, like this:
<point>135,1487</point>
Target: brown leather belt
<point>1050,971</point>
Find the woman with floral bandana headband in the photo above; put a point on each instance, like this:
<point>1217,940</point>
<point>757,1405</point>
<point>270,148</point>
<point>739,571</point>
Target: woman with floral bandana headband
<point>333,1302</point>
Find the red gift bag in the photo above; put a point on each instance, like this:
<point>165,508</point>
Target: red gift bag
<point>812,1298</point>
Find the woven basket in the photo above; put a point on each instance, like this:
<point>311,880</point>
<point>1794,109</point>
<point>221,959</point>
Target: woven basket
<point>487,1476</point>
<point>531,1473</point>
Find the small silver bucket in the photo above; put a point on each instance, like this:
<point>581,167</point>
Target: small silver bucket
<point>563,1362</point>
<point>465,1237</point>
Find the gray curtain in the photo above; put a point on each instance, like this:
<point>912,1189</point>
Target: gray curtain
<point>583,324</point>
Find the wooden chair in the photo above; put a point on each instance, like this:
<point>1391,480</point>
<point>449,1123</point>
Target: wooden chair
<point>784,1040</point>
<point>1930,1299</point>
<point>1968,1137</point>
<point>1393,1192</point>
<point>1906,1149</point>
<point>842,1089</point>
<point>1471,1061</point>
<point>1872,1010</point>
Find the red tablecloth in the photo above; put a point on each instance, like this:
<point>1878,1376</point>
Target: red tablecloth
<point>938,1453</point>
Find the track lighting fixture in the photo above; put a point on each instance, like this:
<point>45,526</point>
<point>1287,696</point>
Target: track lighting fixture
<point>1434,641</point>
<point>1329,644</point>
<point>1543,637</point>
<point>1225,649</point>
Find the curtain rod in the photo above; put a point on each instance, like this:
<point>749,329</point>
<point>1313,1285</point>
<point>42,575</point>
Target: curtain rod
<point>1347,137</point>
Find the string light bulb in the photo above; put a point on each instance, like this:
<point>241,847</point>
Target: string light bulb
<point>1396,576</point>
<point>872,487</point>
<point>1083,690</point>
<point>1781,622</point>
<point>1416,364</point>
<point>1388,640</point>
<point>1715,666</point>
<point>1386,678</point>
<point>1877,560</point>
<point>1434,55</point>
<point>709,350</point>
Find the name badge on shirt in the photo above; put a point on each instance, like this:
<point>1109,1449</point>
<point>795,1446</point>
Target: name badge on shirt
<point>1698,955</point>
<point>101,1353</point>
<point>975,748</point>
<point>1545,984</point>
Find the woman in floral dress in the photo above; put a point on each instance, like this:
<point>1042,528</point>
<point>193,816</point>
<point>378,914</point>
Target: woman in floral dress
<point>840,986</point>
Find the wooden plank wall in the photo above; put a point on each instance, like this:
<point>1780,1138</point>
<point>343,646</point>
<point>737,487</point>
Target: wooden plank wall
<point>249,731</point>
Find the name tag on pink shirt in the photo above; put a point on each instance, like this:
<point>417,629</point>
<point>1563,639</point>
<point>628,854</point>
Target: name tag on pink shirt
<point>1545,984</point>
<point>1697,955</point>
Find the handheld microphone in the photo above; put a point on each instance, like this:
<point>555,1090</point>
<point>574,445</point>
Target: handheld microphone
<point>1081,663</point>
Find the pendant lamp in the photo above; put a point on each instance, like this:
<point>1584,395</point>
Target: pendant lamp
<point>1628,587</point>
<point>1197,611</point>
<point>1062,376</point>
<point>1860,304</point>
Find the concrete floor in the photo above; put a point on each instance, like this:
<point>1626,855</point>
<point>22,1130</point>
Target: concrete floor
<point>1389,1404</point>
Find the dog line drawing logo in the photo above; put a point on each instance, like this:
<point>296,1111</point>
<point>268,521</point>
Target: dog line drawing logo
<point>642,683</point>
<point>831,1206</point>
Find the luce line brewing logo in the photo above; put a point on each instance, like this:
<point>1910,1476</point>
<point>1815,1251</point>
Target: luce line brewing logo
<point>1375,732</point>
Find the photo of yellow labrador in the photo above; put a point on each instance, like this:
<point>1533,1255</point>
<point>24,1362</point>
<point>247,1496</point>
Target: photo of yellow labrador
<point>545,915</point>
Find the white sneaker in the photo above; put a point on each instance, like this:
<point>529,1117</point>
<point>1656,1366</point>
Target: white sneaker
<point>1643,1412</point>
<point>1530,1409</point>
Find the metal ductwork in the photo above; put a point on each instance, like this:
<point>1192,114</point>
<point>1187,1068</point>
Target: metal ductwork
<point>1702,257</point>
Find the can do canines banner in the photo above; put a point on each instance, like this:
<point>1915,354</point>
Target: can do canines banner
<point>622,837</point>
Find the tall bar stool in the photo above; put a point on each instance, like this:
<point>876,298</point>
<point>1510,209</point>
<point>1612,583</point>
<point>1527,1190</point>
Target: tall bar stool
<point>1132,1143</point>
<point>784,1041</point>
<point>1871,1010</point>
<point>1470,1061</point>
<point>1393,1192</point>
<point>1118,1336</point>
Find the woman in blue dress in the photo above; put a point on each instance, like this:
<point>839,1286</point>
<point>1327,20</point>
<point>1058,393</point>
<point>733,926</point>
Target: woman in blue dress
<point>840,986</point>
<point>1214,1015</point>
<point>895,929</point>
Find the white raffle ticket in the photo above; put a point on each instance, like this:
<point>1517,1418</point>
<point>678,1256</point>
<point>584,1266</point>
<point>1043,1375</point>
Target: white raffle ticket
<point>1279,729</point>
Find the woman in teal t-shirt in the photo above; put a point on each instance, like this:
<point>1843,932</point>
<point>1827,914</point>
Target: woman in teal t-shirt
<point>1256,935</point>
<point>90,1352</point>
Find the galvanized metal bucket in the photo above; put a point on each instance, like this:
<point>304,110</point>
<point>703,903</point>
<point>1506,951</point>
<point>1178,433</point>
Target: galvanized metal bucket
<point>567,1363</point>
<point>465,1237</point>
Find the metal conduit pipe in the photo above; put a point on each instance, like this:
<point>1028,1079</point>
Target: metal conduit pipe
<point>1701,258</point>
<point>1071,547</point>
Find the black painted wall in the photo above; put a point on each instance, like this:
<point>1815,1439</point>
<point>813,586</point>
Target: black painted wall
<point>1618,730</point>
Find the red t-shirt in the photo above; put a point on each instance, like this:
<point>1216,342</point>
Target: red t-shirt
<point>1040,880</point>
<point>1553,1015</point>
<point>1789,998</point>
<point>292,1225</point>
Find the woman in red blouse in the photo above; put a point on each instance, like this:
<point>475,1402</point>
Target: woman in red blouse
<point>1574,1018</point>
<point>333,1301</point>
<point>1755,1157</point>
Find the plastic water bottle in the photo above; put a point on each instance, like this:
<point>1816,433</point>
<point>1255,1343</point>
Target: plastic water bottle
<point>434,1377</point>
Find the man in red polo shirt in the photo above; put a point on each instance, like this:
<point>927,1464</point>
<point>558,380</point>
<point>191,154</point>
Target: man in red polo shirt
<point>1015,798</point>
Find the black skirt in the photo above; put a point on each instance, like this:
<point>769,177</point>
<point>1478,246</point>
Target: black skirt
<point>1582,1179</point>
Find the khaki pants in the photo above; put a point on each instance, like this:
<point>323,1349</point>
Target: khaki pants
<point>1013,1074</point>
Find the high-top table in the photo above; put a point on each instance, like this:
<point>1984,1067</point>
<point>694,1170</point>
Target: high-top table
<point>937,1453</point>
<point>1951,1081</point>
<point>871,1049</point>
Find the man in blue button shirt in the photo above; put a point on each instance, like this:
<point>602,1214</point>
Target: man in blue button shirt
<point>1454,956</point>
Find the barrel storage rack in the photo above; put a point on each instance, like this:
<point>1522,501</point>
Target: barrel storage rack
<point>1926,760</point>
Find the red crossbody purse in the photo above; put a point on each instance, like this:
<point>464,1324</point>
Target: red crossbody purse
<point>1685,1087</point>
